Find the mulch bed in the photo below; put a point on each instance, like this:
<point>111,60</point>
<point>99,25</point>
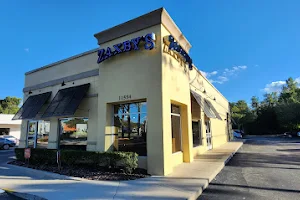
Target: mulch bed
<point>89,173</point>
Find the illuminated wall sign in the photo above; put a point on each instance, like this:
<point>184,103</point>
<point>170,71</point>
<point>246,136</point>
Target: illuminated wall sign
<point>174,46</point>
<point>127,46</point>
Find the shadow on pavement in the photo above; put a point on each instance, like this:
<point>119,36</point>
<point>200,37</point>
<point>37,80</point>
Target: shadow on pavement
<point>258,188</point>
<point>264,160</point>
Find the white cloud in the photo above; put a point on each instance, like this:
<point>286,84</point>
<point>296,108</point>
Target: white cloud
<point>243,67</point>
<point>26,49</point>
<point>227,72</point>
<point>209,74</point>
<point>276,86</point>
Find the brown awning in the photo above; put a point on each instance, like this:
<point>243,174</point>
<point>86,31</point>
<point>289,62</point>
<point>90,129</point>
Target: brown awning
<point>32,106</point>
<point>66,101</point>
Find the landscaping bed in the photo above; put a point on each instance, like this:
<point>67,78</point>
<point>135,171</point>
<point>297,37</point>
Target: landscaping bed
<point>89,173</point>
<point>84,164</point>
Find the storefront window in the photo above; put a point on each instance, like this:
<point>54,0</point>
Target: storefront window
<point>31,134</point>
<point>197,139</point>
<point>73,133</point>
<point>131,122</point>
<point>38,133</point>
<point>43,134</point>
<point>176,128</point>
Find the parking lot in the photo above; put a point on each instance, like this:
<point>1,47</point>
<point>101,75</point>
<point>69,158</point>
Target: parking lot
<point>264,168</point>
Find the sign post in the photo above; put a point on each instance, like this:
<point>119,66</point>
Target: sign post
<point>27,154</point>
<point>58,160</point>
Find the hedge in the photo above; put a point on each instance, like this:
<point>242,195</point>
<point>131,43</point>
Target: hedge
<point>123,160</point>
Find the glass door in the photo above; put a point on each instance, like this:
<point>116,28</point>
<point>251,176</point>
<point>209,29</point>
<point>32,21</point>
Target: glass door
<point>32,134</point>
<point>208,135</point>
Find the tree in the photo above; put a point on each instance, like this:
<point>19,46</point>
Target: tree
<point>290,92</point>
<point>9,105</point>
<point>271,99</point>
<point>72,123</point>
<point>241,113</point>
<point>288,115</point>
<point>254,102</point>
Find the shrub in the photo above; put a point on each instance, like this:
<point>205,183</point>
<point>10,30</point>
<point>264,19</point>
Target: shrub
<point>111,160</point>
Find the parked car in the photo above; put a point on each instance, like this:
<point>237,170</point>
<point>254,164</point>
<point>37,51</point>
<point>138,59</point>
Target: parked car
<point>291,134</point>
<point>6,144</point>
<point>11,138</point>
<point>237,134</point>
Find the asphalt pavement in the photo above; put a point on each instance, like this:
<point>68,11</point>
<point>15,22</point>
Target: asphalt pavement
<point>264,168</point>
<point>6,155</point>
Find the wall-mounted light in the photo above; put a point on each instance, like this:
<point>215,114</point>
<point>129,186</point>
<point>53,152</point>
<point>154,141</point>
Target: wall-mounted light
<point>204,91</point>
<point>215,98</point>
<point>29,92</point>
<point>63,83</point>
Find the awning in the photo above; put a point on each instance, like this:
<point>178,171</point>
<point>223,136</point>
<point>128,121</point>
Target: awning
<point>213,109</point>
<point>66,101</point>
<point>203,104</point>
<point>32,106</point>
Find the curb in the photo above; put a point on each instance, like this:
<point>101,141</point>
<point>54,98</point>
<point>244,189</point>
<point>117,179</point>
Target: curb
<point>23,195</point>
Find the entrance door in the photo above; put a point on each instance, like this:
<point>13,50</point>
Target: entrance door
<point>208,135</point>
<point>32,134</point>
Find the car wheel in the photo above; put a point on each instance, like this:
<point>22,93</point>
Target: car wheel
<point>6,147</point>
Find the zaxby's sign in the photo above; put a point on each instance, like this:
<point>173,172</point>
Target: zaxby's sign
<point>180,53</point>
<point>126,46</point>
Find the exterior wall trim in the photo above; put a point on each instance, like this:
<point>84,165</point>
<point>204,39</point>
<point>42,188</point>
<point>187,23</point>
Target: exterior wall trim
<point>75,77</point>
<point>159,16</point>
<point>62,61</point>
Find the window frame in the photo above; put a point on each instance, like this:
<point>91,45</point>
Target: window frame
<point>180,126</point>
<point>115,114</point>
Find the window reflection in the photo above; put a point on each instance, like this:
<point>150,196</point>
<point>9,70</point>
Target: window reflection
<point>73,133</point>
<point>131,122</point>
<point>31,133</point>
<point>43,134</point>
<point>197,139</point>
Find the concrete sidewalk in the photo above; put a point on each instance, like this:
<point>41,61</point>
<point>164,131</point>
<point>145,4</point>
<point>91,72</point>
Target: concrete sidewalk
<point>186,182</point>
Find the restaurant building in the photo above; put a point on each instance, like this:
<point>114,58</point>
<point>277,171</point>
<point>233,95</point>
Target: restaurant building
<point>139,91</point>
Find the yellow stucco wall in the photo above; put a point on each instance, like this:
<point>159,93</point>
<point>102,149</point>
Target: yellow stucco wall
<point>175,84</point>
<point>153,76</point>
<point>68,68</point>
<point>135,73</point>
<point>218,127</point>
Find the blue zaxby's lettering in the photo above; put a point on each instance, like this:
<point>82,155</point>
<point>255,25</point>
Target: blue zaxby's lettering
<point>127,46</point>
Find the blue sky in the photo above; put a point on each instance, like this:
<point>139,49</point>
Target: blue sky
<point>245,47</point>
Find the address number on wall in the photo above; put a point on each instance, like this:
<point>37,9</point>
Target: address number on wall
<point>125,97</point>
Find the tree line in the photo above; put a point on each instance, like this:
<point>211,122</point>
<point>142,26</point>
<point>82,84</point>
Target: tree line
<point>278,112</point>
<point>9,105</point>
